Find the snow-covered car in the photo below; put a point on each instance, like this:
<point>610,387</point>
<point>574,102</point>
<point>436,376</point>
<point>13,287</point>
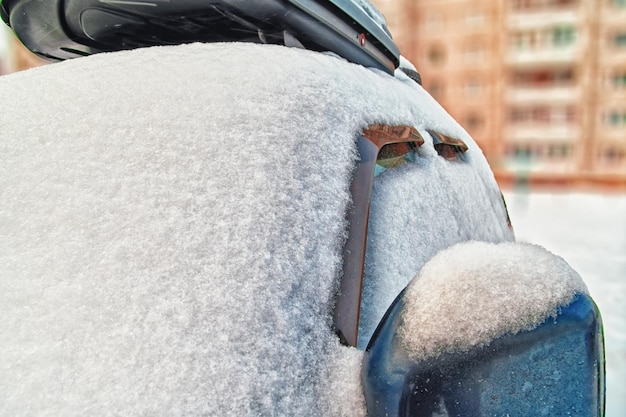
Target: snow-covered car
<point>250,230</point>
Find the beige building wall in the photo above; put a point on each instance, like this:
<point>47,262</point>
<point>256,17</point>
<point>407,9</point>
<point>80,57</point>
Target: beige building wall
<point>609,148</point>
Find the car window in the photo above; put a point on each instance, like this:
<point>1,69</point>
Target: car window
<point>448,147</point>
<point>422,201</point>
<point>394,155</point>
<point>380,147</point>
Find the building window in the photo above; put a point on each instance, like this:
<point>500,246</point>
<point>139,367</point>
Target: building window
<point>474,122</point>
<point>473,88</point>
<point>555,37</point>
<point>519,115</point>
<point>613,154</point>
<point>537,152</point>
<point>563,77</point>
<point>562,114</point>
<point>615,118</point>
<point>543,78</point>
<point>558,151</point>
<point>541,115</point>
<point>540,5</point>
<point>519,41</point>
<point>619,40</point>
<point>522,152</point>
<point>615,79</point>
<point>563,36</point>
<point>562,3</point>
<point>619,79</point>
<point>528,40</point>
<point>621,4</point>
<point>437,54</point>
<point>436,89</point>
<point>545,115</point>
<point>521,4</point>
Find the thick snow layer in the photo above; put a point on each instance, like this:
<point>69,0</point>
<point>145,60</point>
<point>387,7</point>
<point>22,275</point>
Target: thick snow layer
<point>171,224</point>
<point>418,210</point>
<point>474,292</point>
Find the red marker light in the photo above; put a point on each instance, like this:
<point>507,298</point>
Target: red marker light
<point>362,39</point>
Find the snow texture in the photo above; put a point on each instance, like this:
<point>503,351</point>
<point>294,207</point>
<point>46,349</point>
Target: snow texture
<point>418,210</point>
<point>171,226</point>
<point>472,293</point>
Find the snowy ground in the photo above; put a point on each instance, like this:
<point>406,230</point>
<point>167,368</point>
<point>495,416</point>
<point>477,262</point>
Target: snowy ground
<point>589,231</point>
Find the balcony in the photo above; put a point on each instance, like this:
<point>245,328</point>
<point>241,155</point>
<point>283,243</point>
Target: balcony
<point>522,20</point>
<point>557,44</point>
<point>526,166</point>
<point>539,157</point>
<point>529,133</point>
<point>539,94</point>
<point>542,57</point>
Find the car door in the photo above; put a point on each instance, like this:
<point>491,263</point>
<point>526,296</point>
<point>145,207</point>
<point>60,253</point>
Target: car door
<point>415,192</point>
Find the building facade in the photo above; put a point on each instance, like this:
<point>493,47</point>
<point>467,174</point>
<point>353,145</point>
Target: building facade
<point>540,84</point>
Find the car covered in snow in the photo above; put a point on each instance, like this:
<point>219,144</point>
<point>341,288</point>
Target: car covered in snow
<point>251,229</point>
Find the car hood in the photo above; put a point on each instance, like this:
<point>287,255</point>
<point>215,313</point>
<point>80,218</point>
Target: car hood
<point>172,221</point>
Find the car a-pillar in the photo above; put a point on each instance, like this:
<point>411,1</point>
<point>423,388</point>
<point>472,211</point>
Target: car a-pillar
<point>380,147</point>
<point>385,145</point>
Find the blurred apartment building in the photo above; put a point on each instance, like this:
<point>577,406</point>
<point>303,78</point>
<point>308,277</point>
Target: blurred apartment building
<point>540,84</point>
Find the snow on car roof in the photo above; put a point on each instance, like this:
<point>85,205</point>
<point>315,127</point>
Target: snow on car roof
<point>172,221</point>
<point>484,291</point>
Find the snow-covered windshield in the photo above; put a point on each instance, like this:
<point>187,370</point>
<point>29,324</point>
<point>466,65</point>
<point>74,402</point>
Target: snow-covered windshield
<point>172,221</point>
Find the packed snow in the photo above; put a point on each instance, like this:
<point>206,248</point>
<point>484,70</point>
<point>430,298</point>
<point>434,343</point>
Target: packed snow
<point>473,293</point>
<point>172,221</point>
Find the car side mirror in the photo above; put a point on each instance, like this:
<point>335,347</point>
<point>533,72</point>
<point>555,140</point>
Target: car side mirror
<point>489,330</point>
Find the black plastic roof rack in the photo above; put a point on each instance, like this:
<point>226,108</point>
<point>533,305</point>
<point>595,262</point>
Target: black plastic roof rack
<point>64,29</point>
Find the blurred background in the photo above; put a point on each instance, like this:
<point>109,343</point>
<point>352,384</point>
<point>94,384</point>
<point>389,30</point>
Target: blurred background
<point>541,86</point>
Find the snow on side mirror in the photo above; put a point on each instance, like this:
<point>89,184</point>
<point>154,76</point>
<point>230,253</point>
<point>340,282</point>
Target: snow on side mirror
<point>489,330</point>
